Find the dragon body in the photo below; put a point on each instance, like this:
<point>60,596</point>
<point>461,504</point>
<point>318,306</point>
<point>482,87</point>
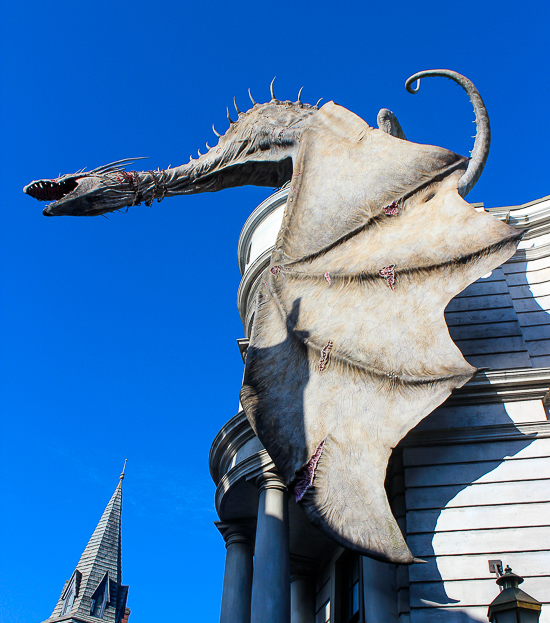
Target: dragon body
<point>349,347</point>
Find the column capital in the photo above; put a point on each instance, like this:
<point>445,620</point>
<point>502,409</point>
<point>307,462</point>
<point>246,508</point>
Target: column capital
<point>270,480</point>
<point>237,530</point>
<point>302,567</point>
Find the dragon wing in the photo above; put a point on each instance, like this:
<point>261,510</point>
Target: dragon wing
<point>350,349</point>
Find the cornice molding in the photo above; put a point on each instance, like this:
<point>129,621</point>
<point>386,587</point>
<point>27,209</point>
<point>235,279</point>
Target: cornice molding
<point>248,469</point>
<point>503,386</point>
<point>243,343</point>
<point>230,438</point>
<point>536,221</point>
<point>529,255</point>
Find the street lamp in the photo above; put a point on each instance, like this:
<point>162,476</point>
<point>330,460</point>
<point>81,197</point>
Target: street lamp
<point>513,605</point>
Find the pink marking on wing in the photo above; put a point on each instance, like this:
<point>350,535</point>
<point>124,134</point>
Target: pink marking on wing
<point>327,277</point>
<point>388,274</point>
<point>306,474</point>
<point>324,355</point>
<point>392,209</point>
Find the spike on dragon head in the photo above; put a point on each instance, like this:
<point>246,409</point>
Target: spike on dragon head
<point>257,149</point>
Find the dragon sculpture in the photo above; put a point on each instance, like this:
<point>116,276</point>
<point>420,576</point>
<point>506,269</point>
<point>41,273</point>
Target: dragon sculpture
<point>349,348</point>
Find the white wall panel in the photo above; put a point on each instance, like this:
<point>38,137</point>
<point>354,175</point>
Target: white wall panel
<point>480,541</point>
<point>532,304</point>
<point>450,615</point>
<point>533,276</point>
<point>460,453</point>
<point>466,473</point>
<point>478,495</point>
<point>478,592</point>
<point>474,518</point>
<point>530,290</point>
<point>538,317</point>
<point>475,566</point>
<point>467,503</point>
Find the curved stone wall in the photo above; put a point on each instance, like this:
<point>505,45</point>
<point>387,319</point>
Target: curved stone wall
<point>256,242</point>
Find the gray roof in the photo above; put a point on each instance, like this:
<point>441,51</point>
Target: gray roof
<point>100,561</point>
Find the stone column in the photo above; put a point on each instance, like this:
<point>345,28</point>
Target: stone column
<point>271,585</point>
<point>237,579</point>
<point>302,597</point>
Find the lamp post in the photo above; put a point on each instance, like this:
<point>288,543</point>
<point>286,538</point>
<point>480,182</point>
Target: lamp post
<point>513,605</point>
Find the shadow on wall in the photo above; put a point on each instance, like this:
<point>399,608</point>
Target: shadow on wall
<point>448,484</point>
<point>430,531</point>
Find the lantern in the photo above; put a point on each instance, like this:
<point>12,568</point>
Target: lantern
<point>513,605</point>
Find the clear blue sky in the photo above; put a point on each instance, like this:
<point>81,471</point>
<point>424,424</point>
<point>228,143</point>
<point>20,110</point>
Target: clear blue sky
<point>118,336</point>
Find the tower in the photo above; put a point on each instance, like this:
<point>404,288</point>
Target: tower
<point>94,592</point>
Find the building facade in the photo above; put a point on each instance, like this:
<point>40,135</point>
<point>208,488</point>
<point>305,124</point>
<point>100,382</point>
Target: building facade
<point>470,484</point>
<point>94,593</point>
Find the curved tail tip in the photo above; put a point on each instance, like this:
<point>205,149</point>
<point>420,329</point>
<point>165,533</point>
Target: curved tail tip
<point>419,560</point>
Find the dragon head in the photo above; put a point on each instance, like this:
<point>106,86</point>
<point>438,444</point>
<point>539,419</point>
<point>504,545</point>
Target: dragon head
<point>257,149</point>
<point>86,193</point>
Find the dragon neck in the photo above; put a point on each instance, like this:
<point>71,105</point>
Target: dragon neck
<point>148,186</point>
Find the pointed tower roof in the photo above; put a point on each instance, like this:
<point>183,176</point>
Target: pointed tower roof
<point>94,591</point>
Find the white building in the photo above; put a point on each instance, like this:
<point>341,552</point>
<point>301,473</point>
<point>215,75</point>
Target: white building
<point>471,483</point>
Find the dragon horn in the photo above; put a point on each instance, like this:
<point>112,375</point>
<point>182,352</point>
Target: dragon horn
<point>231,122</point>
<point>299,95</point>
<point>216,132</point>
<point>250,96</point>
<point>236,107</point>
<point>271,89</point>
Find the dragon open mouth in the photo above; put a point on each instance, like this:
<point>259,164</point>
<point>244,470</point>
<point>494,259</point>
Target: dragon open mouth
<point>48,190</point>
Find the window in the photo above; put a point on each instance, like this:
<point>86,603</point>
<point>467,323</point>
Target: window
<point>323,595</point>
<point>98,605</point>
<point>323,614</point>
<point>100,598</point>
<point>348,586</point>
<point>69,594</point>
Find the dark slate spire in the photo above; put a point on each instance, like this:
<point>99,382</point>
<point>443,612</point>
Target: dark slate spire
<point>94,592</point>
